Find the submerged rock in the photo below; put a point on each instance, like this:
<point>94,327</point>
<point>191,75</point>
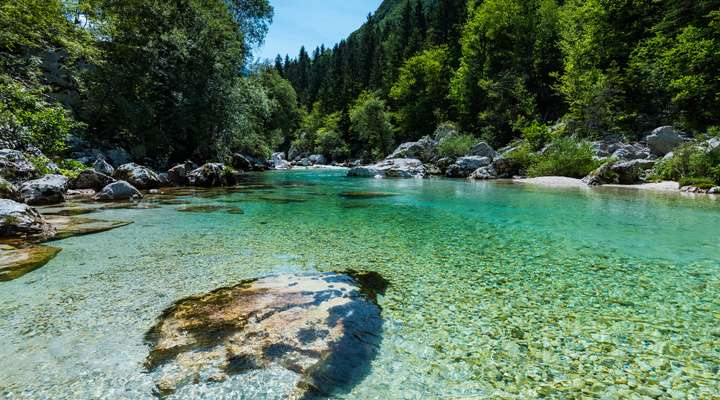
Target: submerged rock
<point>365,195</point>
<point>138,176</point>
<point>15,263</point>
<point>68,226</point>
<point>50,189</point>
<point>392,168</point>
<point>19,220</point>
<point>119,190</point>
<point>323,330</point>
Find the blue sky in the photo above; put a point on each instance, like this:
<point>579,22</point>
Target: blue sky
<point>312,23</point>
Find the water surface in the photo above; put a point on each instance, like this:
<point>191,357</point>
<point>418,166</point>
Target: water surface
<point>496,290</point>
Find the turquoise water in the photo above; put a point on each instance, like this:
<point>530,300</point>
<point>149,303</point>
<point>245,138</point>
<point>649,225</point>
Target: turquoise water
<point>496,290</point>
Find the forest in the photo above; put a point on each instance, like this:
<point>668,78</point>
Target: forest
<point>176,80</point>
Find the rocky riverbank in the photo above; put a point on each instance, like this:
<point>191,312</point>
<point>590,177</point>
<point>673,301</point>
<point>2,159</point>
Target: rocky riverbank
<point>621,164</point>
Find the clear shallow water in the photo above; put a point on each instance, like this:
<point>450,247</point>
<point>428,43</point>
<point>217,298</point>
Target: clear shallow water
<point>497,290</point>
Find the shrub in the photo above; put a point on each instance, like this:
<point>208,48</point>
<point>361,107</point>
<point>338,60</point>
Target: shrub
<point>690,161</point>
<point>70,168</point>
<point>537,135</point>
<point>700,183</point>
<point>565,157</point>
<point>456,146</point>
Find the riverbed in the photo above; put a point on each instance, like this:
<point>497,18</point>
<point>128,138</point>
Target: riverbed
<point>496,290</point>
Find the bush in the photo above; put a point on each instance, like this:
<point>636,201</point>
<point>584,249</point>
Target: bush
<point>71,168</point>
<point>700,183</point>
<point>537,135</point>
<point>456,146</point>
<point>689,162</point>
<point>565,157</point>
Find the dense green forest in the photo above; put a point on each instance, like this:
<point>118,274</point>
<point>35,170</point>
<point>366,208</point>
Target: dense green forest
<point>508,69</point>
<point>171,80</point>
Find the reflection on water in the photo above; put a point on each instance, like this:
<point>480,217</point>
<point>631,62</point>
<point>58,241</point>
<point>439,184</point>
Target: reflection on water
<point>496,290</point>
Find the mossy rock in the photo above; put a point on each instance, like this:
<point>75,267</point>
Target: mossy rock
<point>16,262</point>
<point>68,226</point>
<point>366,195</point>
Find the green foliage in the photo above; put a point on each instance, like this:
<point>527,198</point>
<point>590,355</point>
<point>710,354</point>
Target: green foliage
<point>32,118</point>
<point>564,157</point>
<point>690,161</point>
<point>416,90</point>
<point>537,135</point>
<point>699,182</point>
<point>284,111</point>
<point>456,146</point>
<point>331,144</point>
<point>169,82</point>
<point>370,122</point>
<point>70,168</point>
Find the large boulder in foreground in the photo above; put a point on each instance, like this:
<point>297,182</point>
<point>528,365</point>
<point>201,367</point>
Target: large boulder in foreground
<point>392,168</point>
<point>21,221</point>
<point>423,150</point>
<point>15,167</point>
<point>91,179</point>
<point>119,190</point>
<point>464,166</point>
<point>139,176</point>
<point>50,189</point>
<point>663,140</point>
<point>318,331</point>
<point>212,175</point>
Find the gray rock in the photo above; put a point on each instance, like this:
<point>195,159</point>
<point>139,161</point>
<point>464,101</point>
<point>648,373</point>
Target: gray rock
<point>305,162</point>
<point>138,176</point>
<point>317,159</point>
<point>423,150</point>
<point>91,179</point>
<point>627,152</point>
<point>8,190</point>
<point>178,175</point>
<point>506,166</point>
<point>22,221</point>
<point>624,173</point>
<point>241,162</point>
<point>103,167</point>
<point>712,144</point>
<point>630,172</point>
<point>664,140</point>
<point>393,168</point>
<point>118,156</point>
<point>50,189</point>
<point>212,175</point>
<point>714,190</point>
<point>484,173</point>
<point>119,190</point>
<point>464,166</point>
<point>15,167</point>
<point>278,161</point>
<point>483,149</point>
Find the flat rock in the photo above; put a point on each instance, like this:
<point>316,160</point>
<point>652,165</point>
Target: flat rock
<point>69,226</point>
<point>322,329</point>
<point>15,263</point>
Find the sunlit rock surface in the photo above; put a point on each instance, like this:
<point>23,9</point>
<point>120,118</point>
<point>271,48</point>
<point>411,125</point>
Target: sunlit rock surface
<point>15,263</point>
<point>320,331</point>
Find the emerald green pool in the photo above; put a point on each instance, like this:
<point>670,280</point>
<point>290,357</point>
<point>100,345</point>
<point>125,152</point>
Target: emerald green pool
<point>496,290</point>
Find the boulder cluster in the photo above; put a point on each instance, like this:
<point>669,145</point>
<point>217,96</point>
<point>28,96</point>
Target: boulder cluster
<point>624,162</point>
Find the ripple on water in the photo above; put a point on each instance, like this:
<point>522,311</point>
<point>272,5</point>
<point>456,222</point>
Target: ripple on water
<point>496,291</point>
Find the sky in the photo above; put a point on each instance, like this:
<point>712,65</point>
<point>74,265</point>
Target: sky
<point>312,23</point>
